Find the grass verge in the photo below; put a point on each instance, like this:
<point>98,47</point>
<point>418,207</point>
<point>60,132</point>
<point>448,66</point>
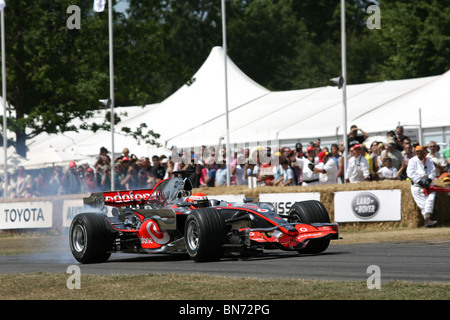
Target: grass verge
<point>46,286</point>
<point>49,286</point>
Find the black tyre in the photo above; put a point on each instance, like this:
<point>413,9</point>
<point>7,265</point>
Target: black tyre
<point>90,238</point>
<point>308,212</point>
<point>205,233</point>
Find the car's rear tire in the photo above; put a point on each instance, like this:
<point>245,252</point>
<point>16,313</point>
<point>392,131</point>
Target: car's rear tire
<point>308,212</point>
<point>205,233</point>
<point>90,239</point>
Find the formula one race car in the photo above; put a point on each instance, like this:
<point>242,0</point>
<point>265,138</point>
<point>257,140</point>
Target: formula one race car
<point>170,219</point>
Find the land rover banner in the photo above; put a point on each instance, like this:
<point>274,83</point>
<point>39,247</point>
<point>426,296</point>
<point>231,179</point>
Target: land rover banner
<point>367,205</point>
<point>26,215</point>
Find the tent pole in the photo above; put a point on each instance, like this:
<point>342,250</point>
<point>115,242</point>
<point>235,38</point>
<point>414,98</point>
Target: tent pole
<point>5,138</point>
<point>344,87</point>
<point>111,87</point>
<point>225,55</point>
<point>420,127</point>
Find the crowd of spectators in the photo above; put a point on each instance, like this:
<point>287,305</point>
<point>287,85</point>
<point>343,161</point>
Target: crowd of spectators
<point>311,164</point>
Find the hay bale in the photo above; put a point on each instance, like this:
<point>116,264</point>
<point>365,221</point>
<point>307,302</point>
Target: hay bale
<point>410,213</point>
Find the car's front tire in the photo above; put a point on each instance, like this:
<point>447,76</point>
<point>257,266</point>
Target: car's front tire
<point>205,233</point>
<point>90,239</point>
<point>309,212</point>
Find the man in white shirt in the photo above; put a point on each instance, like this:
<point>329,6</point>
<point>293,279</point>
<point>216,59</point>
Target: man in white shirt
<point>358,168</point>
<point>327,169</point>
<point>422,172</point>
<point>309,177</point>
<point>287,174</point>
<point>437,158</point>
<point>387,172</point>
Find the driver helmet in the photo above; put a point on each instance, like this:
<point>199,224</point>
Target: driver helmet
<point>198,200</point>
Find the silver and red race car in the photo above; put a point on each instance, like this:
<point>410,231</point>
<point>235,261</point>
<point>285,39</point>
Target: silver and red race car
<point>170,219</point>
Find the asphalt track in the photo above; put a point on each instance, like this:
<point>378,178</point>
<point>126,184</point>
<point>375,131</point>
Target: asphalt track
<point>425,261</point>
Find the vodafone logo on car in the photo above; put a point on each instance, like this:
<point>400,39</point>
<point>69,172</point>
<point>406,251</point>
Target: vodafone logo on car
<point>127,196</point>
<point>151,236</point>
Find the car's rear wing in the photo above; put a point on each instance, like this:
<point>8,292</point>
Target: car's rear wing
<point>118,198</point>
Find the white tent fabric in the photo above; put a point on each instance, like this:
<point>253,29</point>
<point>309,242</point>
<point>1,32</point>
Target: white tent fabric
<point>50,157</point>
<point>196,104</point>
<point>69,141</point>
<point>362,99</point>
<point>307,114</point>
<point>14,160</point>
<point>432,97</point>
<point>195,114</point>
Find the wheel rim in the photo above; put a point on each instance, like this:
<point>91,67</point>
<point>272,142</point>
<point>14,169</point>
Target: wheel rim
<point>295,217</point>
<point>192,235</point>
<point>79,238</point>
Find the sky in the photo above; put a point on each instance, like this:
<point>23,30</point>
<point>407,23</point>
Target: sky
<point>121,5</point>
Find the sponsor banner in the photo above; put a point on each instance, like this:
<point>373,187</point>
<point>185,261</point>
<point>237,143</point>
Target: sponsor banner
<point>73,207</point>
<point>70,209</point>
<point>367,206</point>
<point>26,215</point>
<point>284,201</point>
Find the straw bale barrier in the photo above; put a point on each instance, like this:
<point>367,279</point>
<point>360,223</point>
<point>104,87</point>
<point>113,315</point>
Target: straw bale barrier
<point>410,213</point>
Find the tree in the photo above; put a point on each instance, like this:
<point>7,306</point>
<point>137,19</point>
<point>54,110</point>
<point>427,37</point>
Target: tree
<point>263,39</point>
<point>56,74</point>
<point>415,38</point>
<point>47,86</point>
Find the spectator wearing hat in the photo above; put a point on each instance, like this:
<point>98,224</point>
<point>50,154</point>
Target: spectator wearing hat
<point>309,176</point>
<point>358,168</point>
<point>71,180</point>
<point>422,172</point>
<point>327,169</point>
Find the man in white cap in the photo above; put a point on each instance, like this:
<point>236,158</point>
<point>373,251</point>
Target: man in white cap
<point>358,167</point>
<point>309,177</point>
<point>422,172</point>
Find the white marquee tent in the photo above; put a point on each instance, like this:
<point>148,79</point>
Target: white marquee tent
<point>195,114</point>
